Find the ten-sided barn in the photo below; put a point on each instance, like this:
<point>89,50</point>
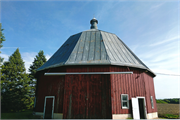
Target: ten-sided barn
<point>81,92</point>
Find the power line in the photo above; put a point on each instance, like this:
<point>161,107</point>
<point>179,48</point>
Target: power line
<point>169,74</point>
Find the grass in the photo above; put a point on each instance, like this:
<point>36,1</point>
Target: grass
<point>170,111</point>
<point>169,116</point>
<point>19,115</point>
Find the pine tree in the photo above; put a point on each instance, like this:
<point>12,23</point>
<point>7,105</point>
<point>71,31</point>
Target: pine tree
<point>2,39</point>
<point>39,60</point>
<point>14,84</point>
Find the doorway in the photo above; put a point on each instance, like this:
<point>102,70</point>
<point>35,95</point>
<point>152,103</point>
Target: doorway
<point>48,107</point>
<point>141,108</point>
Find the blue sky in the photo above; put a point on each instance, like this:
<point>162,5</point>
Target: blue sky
<point>150,29</point>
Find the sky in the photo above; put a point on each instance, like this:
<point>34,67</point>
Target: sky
<point>151,29</point>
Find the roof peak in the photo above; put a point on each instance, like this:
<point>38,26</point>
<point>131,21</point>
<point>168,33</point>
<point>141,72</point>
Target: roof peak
<point>94,23</point>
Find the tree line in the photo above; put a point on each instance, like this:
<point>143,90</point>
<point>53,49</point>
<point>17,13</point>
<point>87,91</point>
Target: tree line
<point>169,101</point>
<point>17,86</point>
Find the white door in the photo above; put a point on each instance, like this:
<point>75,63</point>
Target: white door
<point>49,108</point>
<point>135,108</point>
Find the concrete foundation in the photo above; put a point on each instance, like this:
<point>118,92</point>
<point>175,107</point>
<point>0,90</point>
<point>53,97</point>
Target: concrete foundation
<point>152,115</point>
<point>56,115</point>
<point>125,116</point>
<point>121,116</point>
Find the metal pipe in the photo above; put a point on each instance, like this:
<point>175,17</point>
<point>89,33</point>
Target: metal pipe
<point>91,73</point>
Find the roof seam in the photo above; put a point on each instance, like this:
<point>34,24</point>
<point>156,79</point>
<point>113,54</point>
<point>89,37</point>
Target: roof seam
<point>78,47</point>
<point>114,48</point>
<point>89,45</point>
<point>94,44</point>
<point>124,52</point>
<point>100,46</point>
<point>110,46</point>
<point>107,57</point>
<point>73,49</point>
<point>84,45</point>
<point>133,54</point>
<point>106,45</point>
<point>118,50</point>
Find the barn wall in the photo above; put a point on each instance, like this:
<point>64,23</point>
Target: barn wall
<point>87,96</point>
<point>50,86</point>
<point>133,85</point>
<point>149,84</point>
<point>91,96</point>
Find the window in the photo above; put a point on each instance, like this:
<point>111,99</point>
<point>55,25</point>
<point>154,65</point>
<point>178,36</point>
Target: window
<point>124,101</point>
<point>152,104</point>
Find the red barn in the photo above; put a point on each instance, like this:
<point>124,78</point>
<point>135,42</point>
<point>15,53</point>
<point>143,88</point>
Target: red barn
<point>91,80</point>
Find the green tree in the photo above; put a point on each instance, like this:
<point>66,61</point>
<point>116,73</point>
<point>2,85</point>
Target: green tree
<point>14,84</point>
<point>39,60</point>
<point>2,39</point>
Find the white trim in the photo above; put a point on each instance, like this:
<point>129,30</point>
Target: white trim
<point>144,105</point>
<point>152,103</point>
<point>45,105</point>
<point>123,100</point>
<point>77,73</point>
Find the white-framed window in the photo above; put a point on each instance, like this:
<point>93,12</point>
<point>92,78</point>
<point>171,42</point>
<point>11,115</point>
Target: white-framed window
<point>152,104</point>
<point>124,101</point>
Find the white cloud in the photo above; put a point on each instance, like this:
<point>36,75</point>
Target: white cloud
<point>165,41</point>
<point>28,58</point>
<point>10,47</point>
<point>163,57</point>
<point>166,86</point>
<point>156,6</point>
<point>48,56</point>
<point>5,56</point>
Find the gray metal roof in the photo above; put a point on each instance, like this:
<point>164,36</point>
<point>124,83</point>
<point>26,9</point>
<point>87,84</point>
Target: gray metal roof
<point>94,47</point>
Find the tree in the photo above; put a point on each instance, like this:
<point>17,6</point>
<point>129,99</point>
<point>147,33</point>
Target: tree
<point>2,39</point>
<point>14,84</point>
<point>39,60</point>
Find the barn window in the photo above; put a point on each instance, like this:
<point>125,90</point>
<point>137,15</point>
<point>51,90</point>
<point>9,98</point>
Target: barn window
<point>152,104</point>
<point>124,101</point>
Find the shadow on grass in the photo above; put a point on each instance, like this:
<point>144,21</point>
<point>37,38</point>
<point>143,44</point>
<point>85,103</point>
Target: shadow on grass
<point>19,115</point>
<point>168,116</point>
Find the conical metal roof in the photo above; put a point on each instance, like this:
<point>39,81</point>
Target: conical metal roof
<point>94,47</point>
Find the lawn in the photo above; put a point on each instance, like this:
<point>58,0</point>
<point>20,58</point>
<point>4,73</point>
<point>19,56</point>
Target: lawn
<point>164,111</point>
<point>19,115</point>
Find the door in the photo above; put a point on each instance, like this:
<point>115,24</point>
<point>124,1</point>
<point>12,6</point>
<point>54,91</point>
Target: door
<point>135,108</point>
<point>48,107</point>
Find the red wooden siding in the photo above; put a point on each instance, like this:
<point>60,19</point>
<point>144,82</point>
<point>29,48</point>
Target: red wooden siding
<point>149,84</point>
<point>94,96</point>
<point>50,86</point>
<point>136,84</point>
<point>87,96</point>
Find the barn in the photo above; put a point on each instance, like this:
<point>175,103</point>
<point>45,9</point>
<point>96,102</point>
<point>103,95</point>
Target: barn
<point>95,75</point>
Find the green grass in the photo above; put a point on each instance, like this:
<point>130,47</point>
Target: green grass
<point>169,116</point>
<point>19,115</point>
